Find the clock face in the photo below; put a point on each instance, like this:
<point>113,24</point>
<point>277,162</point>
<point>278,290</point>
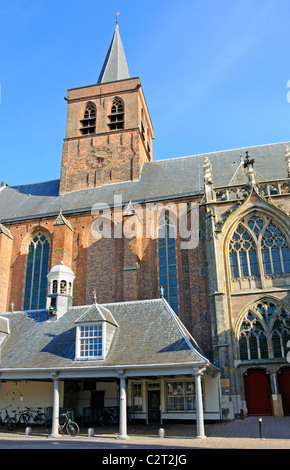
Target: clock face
<point>99,157</point>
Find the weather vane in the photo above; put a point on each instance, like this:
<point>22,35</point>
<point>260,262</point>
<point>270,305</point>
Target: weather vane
<point>248,162</point>
<point>117,14</point>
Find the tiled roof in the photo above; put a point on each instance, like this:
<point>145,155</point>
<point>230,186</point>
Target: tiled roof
<point>140,339</point>
<point>160,180</point>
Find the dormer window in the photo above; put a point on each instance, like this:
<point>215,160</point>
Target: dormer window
<point>91,341</point>
<point>95,330</point>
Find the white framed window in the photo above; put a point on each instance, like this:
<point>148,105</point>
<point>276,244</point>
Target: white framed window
<point>137,397</point>
<point>89,345</point>
<point>180,395</point>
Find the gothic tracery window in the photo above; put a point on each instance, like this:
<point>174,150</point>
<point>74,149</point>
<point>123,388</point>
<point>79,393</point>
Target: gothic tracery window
<point>116,118</point>
<point>264,331</point>
<point>167,262</point>
<point>36,272</point>
<point>258,247</point>
<point>88,122</point>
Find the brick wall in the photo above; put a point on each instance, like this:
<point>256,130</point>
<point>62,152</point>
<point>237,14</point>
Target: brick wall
<point>127,148</point>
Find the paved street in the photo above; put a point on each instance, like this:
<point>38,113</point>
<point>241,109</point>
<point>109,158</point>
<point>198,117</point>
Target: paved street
<point>237,434</point>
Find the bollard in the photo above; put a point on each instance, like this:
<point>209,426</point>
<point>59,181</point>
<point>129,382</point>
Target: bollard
<point>28,430</point>
<point>260,428</point>
<point>90,432</point>
<point>161,433</point>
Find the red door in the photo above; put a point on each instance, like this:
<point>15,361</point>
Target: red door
<point>284,389</point>
<point>258,392</point>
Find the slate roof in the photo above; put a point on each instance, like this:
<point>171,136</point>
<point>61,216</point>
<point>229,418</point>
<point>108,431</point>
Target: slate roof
<point>159,180</point>
<point>140,338</point>
<point>115,66</point>
<point>97,313</point>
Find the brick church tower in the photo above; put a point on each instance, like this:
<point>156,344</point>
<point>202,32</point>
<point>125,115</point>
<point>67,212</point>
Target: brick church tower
<point>109,132</point>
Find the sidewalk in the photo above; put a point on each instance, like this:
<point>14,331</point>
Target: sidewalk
<point>237,434</point>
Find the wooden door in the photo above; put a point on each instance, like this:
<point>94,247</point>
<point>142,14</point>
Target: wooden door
<point>154,415</point>
<point>284,389</point>
<point>258,392</point>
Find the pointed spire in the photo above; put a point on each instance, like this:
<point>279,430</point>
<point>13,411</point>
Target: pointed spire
<point>115,66</point>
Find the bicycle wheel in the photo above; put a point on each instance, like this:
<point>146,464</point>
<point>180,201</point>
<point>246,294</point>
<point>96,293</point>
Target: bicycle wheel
<point>107,419</point>
<point>40,419</point>
<point>11,424</point>
<point>72,428</point>
<point>24,418</point>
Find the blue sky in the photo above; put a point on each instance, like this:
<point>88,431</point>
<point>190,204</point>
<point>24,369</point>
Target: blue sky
<point>214,73</point>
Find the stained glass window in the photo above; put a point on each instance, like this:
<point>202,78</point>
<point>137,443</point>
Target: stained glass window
<point>258,233</point>
<point>167,263</point>
<point>243,256</point>
<point>36,272</point>
<point>264,331</point>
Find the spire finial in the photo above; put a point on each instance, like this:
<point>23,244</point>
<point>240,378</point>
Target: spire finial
<point>117,14</point>
<point>249,164</point>
<point>95,296</point>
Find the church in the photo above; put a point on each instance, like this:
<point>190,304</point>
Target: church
<point>159,286</point>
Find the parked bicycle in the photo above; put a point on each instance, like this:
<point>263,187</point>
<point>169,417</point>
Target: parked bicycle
<point>12,422</point>
<point>70,426</point>
<point>39,417</point>
<point>23,417</point>
<point>109,417</point>
<point>3,420</point>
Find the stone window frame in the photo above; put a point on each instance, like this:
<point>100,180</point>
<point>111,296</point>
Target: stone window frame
<point>117,114</point>
<point>263,330</point>
<point>166,243</point>
<point>89,119</point>
<point>247,246</point>
<point>36,263</point>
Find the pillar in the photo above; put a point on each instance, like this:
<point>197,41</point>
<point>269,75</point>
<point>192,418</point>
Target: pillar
<point>276,398</point>
<point>55,408</point>
<point>199,407</point>
<point>123,410</point>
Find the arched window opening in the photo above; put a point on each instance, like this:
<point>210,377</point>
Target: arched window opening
<point>258,249</point>
<point>275,251</point>
<point>89,120</point>
<point>116,118</point>
<point>36,272</point>
<point>264,331</point>
<point>63,287</point>
<point>167,262</point>
<point>243,256</point>
<point>54,287</point>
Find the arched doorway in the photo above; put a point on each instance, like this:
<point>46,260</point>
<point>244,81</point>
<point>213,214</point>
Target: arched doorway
<point>258,392</point>
<point>284,388</point>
